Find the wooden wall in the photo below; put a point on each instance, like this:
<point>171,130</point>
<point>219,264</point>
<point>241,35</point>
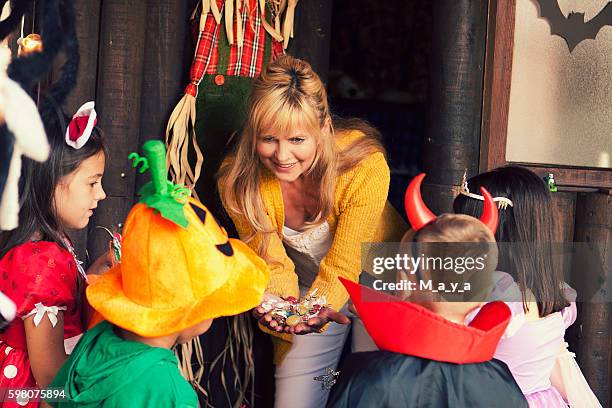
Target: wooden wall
<point>134,60</point>
<point>455,98</point>
<point>592,276</point>
<point>133,64</point>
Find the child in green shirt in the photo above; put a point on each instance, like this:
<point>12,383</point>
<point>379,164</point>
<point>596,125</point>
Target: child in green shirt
<point>178,271</point>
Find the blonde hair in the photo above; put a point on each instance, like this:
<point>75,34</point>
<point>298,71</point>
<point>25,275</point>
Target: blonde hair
<point>289,94</point>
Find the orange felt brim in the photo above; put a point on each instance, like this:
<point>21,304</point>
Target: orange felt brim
<point>242,291</point>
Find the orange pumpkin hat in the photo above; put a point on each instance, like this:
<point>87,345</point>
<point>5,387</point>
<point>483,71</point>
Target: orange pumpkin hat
<point>178,266</point>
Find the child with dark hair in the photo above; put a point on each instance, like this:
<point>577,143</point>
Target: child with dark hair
<point>39,270</point>
<point>167,289</point>
<point>524,217</point>
<point>533,347</point>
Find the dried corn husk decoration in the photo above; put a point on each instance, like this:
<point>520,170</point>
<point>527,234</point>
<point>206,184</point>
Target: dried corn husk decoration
<point>288,23</point>
<point>239,32</point>
<point>205,11</point>
<point>181,126</point>
<point>269,29</point>
<point>238,7</point>
<point>229,20</point>
<point>278,9</point>
<point>179,131</point>
<point>215,11</point>
<point>181,123</point>
<point>184,354</point>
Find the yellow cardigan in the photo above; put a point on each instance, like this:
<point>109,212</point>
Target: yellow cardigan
<point>361,198</point>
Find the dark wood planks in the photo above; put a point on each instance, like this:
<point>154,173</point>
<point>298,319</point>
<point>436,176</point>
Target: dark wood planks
<point>497,79</point>
<point>119,86</point>
<point>87,14</point>
<point>312,29</point>
<point>593,280</point>
<point>455,97</point>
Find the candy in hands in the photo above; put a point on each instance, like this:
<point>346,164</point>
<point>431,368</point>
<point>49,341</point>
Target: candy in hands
<point>290,312</point>
<point>293,320</point>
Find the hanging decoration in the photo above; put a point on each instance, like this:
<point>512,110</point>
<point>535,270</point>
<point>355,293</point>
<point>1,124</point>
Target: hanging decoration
<point>30,44</point>
<point>573,29</point>
<point>236,38</point>
<point>21,130</point>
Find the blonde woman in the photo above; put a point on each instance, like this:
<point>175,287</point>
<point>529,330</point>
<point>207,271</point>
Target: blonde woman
<point>305,193</point>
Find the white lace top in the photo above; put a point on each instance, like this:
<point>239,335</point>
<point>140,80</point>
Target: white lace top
<point>306,249</point>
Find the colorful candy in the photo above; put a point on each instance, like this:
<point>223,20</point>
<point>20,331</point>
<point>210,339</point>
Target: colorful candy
<point>293,320</point>
<point>291,312</point>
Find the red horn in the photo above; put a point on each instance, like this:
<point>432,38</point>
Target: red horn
<point>489,213</point>
<point>416,210</point>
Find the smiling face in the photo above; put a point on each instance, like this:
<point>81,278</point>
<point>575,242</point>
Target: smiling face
<point>77,193</point>
<point>287,154</point>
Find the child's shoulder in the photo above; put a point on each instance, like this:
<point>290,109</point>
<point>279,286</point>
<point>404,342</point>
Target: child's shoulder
<point>33,250</point>
<point>38,258</point>
<point>38,272</point>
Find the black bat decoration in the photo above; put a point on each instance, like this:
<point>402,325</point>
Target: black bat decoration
<point>573,29</point>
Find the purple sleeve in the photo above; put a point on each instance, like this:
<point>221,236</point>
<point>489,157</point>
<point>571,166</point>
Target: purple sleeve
<point>569,313</point>
<point>506,290</point>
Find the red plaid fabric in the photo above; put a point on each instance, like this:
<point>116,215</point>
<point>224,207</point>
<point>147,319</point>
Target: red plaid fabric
<point>246,61</point>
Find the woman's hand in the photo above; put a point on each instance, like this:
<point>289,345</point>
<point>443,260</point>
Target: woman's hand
<point>267,319</point>
<point>315,324</point>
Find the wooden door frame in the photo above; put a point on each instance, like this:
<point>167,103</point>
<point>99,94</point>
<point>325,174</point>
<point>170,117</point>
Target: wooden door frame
<point>496,104</point>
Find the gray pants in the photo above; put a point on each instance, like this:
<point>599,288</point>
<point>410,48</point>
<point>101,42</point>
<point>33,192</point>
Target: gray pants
<point>309,356</point>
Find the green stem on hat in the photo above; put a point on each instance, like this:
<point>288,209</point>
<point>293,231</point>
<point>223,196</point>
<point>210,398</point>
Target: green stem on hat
<point>161,194</point>
<point>155,152</point>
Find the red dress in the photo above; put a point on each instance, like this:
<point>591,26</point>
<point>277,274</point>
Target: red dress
<point>41,278</point>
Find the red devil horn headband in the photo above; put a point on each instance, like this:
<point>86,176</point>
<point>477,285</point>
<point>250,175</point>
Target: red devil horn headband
<point>419,215</point>
<point>416,210</point>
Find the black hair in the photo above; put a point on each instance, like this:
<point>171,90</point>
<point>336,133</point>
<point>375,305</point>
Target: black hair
<point>529,224</point>
<point>37,215</point>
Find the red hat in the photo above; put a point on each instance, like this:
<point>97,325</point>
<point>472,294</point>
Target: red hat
<point>407,328</point>
<point>419,215</point>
